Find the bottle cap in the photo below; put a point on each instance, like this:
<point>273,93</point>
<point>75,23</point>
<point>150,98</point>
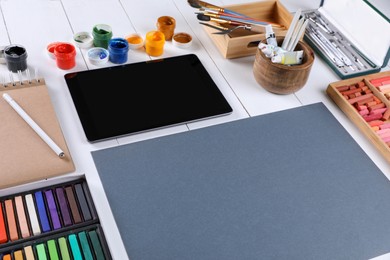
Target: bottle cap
<point>277,58</point>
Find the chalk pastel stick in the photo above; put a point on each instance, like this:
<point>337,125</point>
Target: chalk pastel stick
<point>24,231</point>
<point>12,228</point>
<point>3,231</point>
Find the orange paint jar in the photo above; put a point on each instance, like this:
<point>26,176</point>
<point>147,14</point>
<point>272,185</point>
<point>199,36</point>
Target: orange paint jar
<point>154,43</point>
<point>166,25</point>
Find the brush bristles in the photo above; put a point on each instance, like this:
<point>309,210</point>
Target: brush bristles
<point>194,3</point>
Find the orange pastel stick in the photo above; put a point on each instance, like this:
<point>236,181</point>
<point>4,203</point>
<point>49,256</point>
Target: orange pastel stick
<point>3,232</point>
<point>7,257</point>
<point>361,98</point>
<point>376,123</point>
<point>375,128</point>
<point>13,231</point>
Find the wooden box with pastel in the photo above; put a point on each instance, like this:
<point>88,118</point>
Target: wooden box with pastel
<point>366,102</point>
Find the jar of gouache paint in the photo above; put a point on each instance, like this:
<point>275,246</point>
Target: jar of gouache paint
<point>102,34</point>
<point>154,43</point>
<point>15,57</point>
<point>118,49</point>
<point>166,25</point>
<point>65,55</point>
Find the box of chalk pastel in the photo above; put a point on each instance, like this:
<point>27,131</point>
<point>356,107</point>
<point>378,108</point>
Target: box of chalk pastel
<point>53,222</point>
<point>351,36</point>
<point>243,42</point>
<point>366,101</point>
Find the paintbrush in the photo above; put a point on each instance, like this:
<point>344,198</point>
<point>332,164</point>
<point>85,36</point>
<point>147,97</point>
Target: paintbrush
<point>216,20</point>
<point>226,17</point>
<point>201,4</point>
<point>207,17</point>
<point>238,17</point>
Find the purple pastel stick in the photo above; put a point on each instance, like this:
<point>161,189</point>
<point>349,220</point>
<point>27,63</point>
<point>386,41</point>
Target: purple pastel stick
<point>63,204</point>
<point>52,209</point>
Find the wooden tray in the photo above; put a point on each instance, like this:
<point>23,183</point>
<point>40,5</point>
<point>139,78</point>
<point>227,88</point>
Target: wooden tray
<point>354,111</point>
<point>240,42</point>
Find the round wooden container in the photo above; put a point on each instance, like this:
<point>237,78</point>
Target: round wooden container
<point>279,78</point>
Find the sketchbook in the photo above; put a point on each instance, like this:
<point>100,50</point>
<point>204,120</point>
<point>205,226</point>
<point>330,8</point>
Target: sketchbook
<point>291,184</point>
<point>24,156</point>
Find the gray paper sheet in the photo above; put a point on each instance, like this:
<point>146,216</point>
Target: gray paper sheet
<point>285,185</point>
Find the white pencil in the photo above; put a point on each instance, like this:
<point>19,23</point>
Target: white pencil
<point>298,36</point>
<point>291,29</point>
<point>34,125</point>
<point>294,34</point>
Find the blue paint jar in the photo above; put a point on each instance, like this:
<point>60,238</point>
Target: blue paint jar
<point>118,49</point>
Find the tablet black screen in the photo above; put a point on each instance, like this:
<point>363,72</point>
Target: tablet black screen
<point>132,98</point>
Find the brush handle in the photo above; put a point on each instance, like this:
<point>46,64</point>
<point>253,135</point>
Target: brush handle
<point>227,11</point>
<point>242,19</point>
<point>257,28</point>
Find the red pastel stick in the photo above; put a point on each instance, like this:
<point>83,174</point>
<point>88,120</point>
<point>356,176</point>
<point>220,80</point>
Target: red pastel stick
<point>3,233</point>
<point>379,80</point>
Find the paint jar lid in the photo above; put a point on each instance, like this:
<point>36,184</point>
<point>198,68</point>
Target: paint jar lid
<point>83,40</point>
<point>2,57</point>
<point>135,41</point>
<point>182,40</point>
<point>50,49</point>
<point>98,55</point>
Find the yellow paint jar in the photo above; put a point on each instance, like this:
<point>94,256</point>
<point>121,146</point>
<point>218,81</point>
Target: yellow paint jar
<point>154,43</point>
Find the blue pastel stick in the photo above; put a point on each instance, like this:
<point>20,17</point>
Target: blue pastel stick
<point>74,246</point>
<point>42,212</point>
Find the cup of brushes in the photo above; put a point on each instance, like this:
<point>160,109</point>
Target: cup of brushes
<point>282,64</point>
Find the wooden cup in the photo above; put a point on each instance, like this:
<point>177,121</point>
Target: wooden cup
<point>279,78</point>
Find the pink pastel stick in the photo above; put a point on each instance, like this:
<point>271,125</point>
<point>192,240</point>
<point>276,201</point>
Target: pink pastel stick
<point>385,126</point>
<point>369,118</point>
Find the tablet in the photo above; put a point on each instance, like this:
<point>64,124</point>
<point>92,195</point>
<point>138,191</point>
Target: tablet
<point>137,97</point>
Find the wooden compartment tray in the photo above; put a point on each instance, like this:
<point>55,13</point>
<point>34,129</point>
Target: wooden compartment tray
<point>366,101</point>
<point>240,42</point>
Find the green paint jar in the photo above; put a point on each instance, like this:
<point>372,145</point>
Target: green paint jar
<point>102,34</point>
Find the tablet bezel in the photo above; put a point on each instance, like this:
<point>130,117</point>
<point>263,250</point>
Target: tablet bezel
<point>89,86</point>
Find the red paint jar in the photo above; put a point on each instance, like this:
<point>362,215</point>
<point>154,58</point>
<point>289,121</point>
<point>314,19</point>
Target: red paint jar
<point>65,54</point>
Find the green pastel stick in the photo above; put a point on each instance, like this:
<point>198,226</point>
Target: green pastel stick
<point>85,246</point>
<point>51,245</point>
<point>41,252</point>
<point>97,247</point>
<point>74,246</point>
<point>64,248</point>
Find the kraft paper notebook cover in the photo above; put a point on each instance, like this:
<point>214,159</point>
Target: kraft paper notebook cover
<point>286,185</point>
<point>24,156</point>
